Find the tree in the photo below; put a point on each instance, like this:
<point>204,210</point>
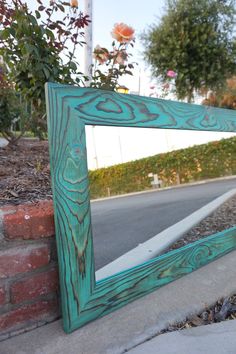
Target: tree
<point>196,39</point>
<point>38,47</point>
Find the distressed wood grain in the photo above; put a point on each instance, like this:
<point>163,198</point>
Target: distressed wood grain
<point>69,109</point>
<point>118,290</point>
<point>106,108</point>
<point>71,207</point>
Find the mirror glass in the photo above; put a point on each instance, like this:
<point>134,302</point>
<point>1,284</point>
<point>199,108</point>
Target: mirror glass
<point>143,181</point>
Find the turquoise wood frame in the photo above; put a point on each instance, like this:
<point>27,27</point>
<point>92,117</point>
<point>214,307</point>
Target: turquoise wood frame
<point>69,109</point>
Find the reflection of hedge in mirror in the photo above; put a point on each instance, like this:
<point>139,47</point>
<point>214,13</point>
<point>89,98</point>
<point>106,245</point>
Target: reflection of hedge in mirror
<point>204,161</point>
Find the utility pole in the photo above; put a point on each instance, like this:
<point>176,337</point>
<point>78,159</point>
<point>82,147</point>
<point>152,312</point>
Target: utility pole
<point>88,58</point>
<point>88,52</point>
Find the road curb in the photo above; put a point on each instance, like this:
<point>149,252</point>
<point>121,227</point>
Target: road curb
<point>160,242</point>
<point>164,189</point>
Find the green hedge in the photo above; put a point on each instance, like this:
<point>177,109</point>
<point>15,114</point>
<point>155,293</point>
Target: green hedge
<point>196,163</point>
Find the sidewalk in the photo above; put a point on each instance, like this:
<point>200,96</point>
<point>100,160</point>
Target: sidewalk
<point>218,338</point>
<point>129,328</point>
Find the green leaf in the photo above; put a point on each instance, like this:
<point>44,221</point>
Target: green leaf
<point>33,20</point>
<point>50,34</point>
<point>46,73</point>
<point>73,66</point>
<point>4,34</point>
<point>37,14</point>
<point>61,7</point>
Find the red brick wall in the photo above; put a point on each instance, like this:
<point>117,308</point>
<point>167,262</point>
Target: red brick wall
<point>29,286</point>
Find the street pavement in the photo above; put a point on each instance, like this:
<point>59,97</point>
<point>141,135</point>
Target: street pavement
<point>121,224</point>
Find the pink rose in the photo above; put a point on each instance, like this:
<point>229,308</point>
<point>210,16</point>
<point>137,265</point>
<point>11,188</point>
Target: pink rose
<point>171,73</point>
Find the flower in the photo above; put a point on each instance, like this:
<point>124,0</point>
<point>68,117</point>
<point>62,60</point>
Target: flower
<point>120,56</point>
<point>166,86</point>
<point>74,3</point>
<point>122,33</point>
<point>111,64</point>
<point>171,73</point>
<point>100,54</point>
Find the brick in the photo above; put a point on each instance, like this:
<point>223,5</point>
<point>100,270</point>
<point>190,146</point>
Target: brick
<point>35,286</point>
<point>32,312</point>
<point>2,295</point>
<point>23,259</point>
<point>29,221</point>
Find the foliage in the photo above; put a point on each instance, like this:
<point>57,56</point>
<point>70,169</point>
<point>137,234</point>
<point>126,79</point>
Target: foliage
<point>196,163</point>
<point>12,113</point>
<point>224,99</point>
<point>111,65</point>
<point>196,39</point>
<point>10,108</point>
<point>38,47</point>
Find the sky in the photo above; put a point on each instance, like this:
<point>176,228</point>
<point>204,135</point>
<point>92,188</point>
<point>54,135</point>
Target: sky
<point>109,145</point>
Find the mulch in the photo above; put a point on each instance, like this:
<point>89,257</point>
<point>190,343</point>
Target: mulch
<point>25,173</point>
<point>223,218</point>
<point>223,310</point>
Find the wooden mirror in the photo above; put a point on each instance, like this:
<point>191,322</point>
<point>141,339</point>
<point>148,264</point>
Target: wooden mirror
<point>69,109</point>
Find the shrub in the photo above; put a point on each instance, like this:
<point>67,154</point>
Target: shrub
<point>196,163</point>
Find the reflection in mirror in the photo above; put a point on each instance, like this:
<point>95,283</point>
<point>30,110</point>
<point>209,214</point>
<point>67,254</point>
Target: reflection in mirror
<point>132,229</point>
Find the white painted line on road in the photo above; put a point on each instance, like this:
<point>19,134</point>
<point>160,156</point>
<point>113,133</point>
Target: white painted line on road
<point>160,242</point>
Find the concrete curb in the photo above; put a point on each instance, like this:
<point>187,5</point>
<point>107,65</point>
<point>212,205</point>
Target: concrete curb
<point>164,189</point>
<point>160,242</point>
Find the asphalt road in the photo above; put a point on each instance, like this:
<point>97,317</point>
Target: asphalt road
<point>121,224</point>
